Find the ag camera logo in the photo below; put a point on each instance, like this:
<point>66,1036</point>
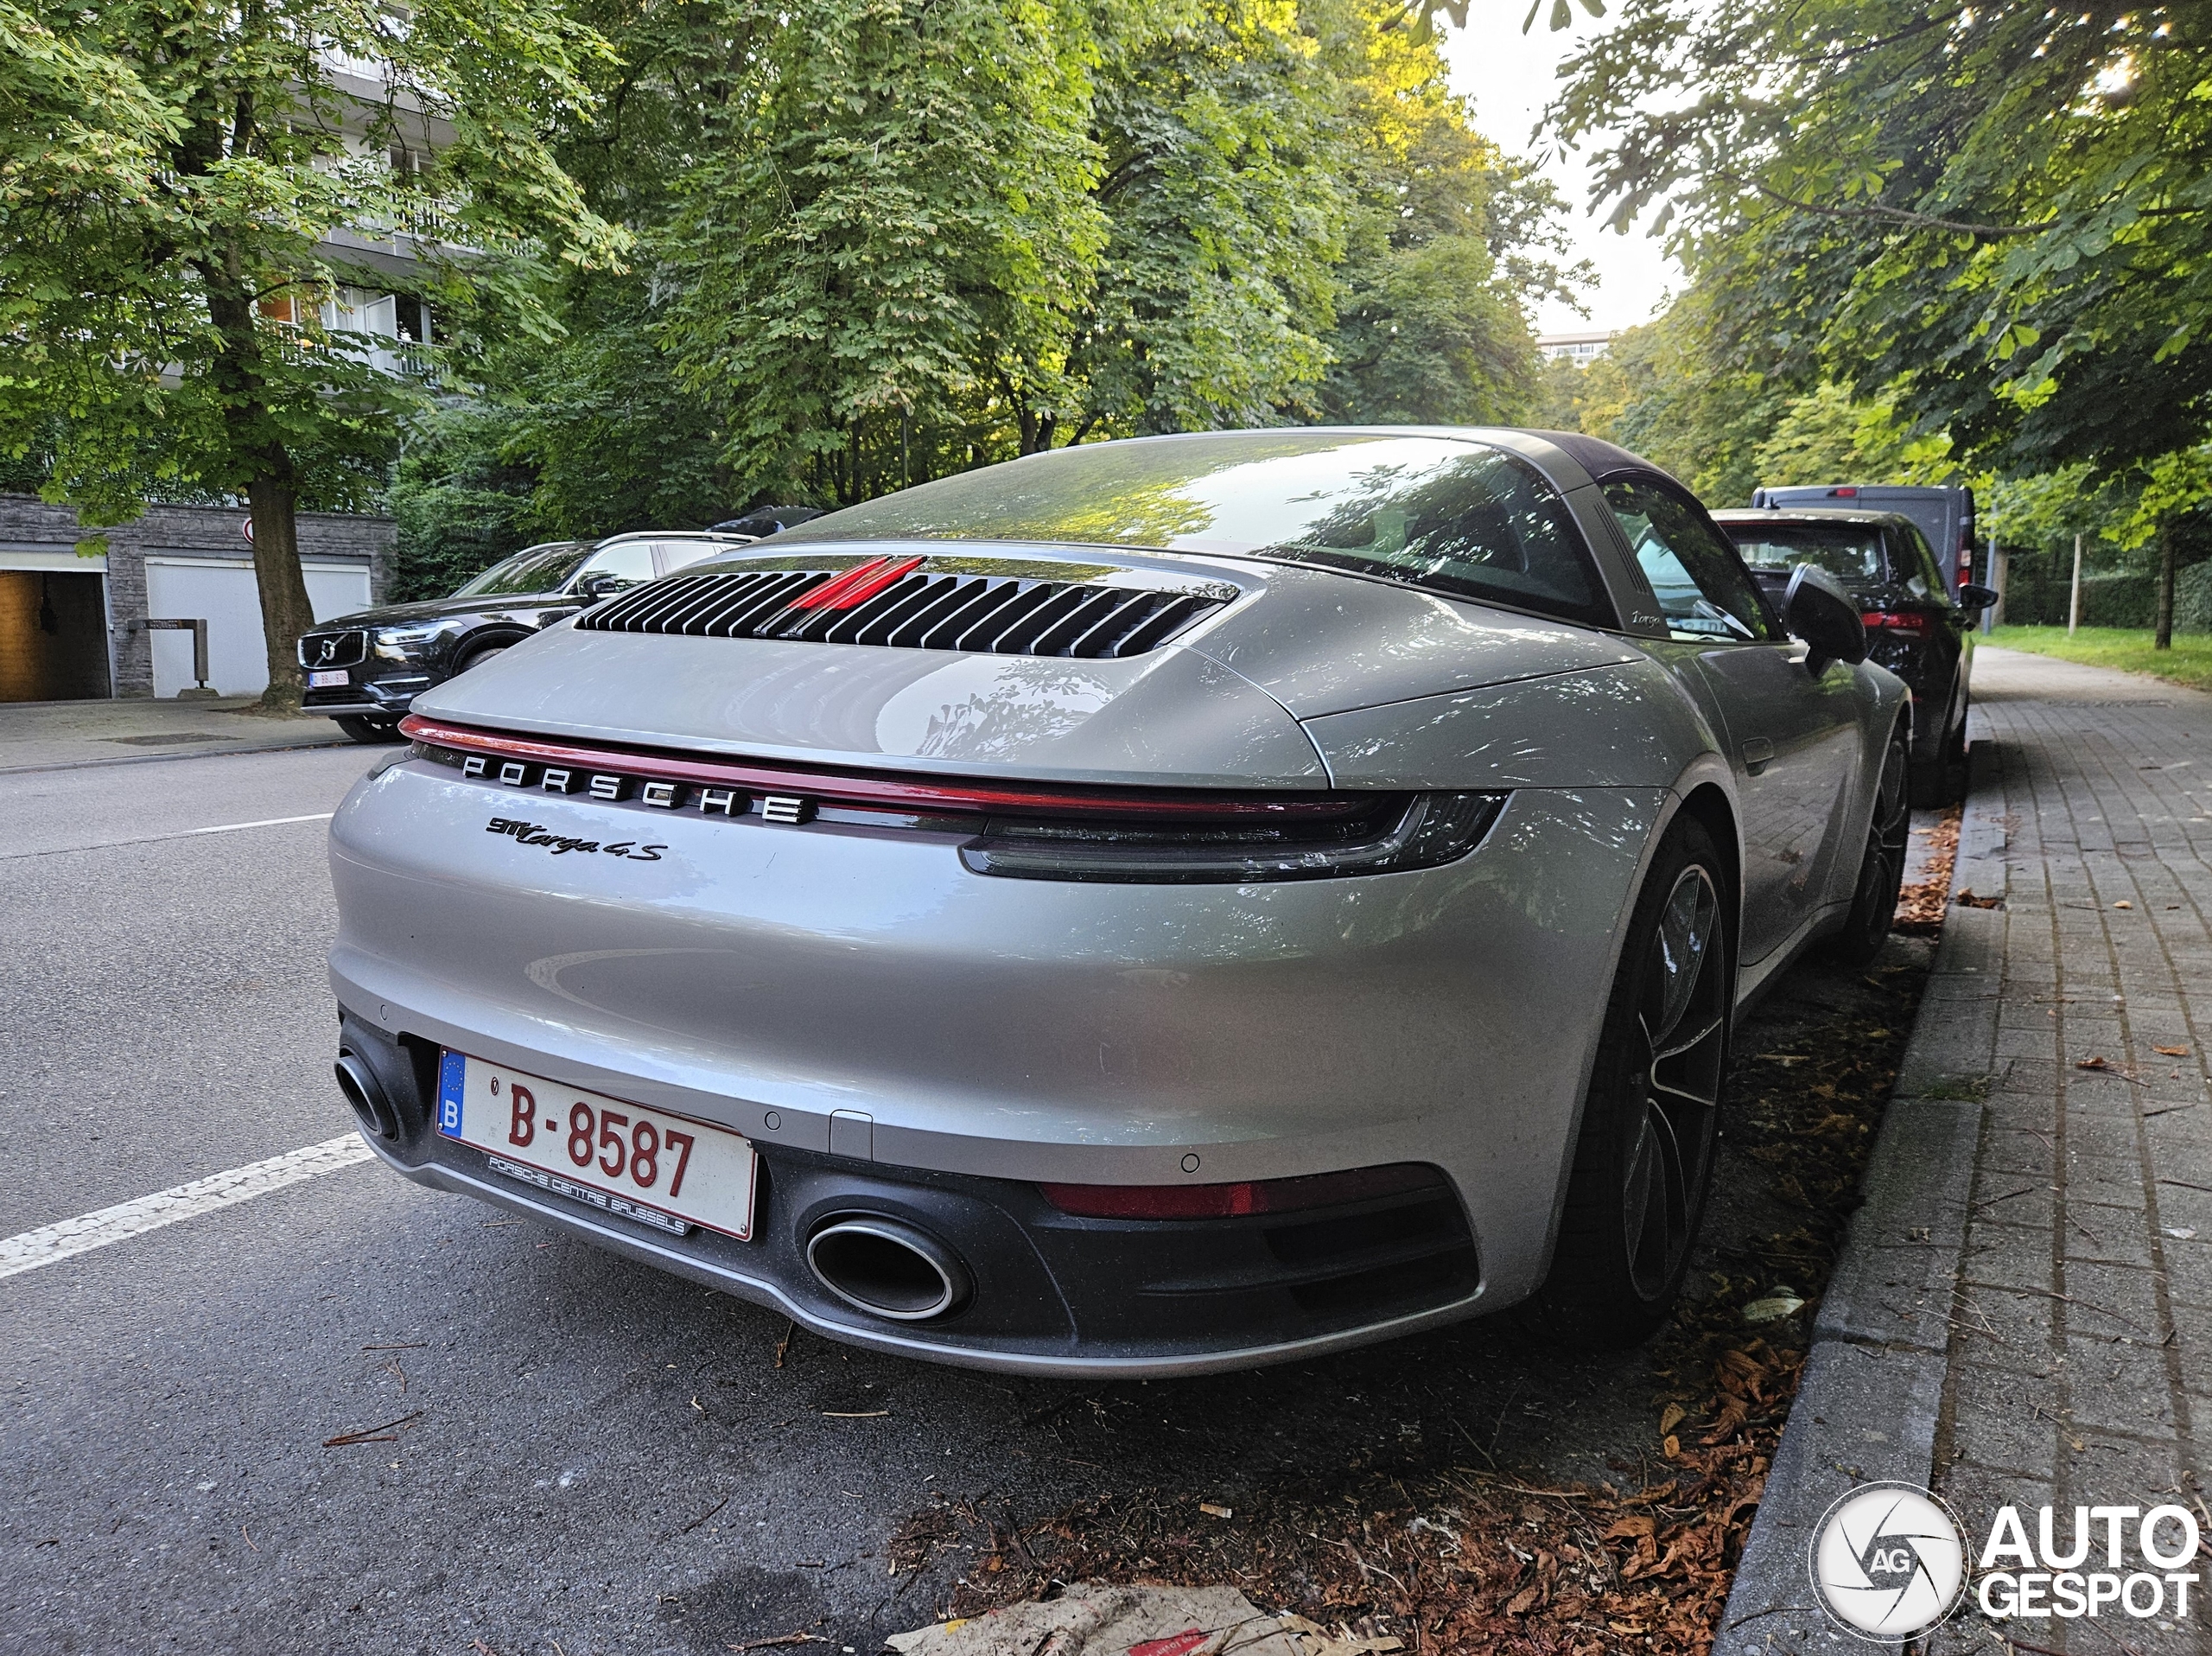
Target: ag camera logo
<point>1888,1561</point>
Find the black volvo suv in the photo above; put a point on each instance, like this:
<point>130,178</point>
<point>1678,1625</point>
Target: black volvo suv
<point>363,670</point>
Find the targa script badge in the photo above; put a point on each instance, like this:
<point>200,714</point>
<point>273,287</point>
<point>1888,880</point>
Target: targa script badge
<point>533,833</point>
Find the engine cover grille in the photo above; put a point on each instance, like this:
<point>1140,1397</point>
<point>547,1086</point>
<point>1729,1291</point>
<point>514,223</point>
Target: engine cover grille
<point>902,605</point>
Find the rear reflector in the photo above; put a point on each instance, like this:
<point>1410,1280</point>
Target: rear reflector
<point>1235,1200</point>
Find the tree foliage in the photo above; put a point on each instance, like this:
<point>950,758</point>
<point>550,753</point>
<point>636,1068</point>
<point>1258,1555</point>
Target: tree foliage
<point>175,186</point>
<point>884,240</point>
<point>1993,217</point>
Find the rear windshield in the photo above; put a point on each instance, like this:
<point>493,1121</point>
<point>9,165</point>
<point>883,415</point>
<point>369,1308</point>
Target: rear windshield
<point>534,568</point>
<point>1457,517</point>
<point>1850,551</point>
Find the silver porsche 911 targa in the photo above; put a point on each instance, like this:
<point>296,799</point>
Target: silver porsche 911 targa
<point>1146,908</point>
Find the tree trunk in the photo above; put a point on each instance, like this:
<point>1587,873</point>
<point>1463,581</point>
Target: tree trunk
<point>285,611</point>
<point>2165,638</point>
<point>271,482</point>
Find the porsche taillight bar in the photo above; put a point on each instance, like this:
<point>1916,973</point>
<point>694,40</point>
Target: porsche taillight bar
<point>890,792</point>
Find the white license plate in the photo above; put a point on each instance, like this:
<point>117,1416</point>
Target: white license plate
<point>666,1171</point>
<point>325,680</point>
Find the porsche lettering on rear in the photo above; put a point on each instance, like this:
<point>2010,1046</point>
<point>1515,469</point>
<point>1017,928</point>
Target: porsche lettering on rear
<point>614,787</point>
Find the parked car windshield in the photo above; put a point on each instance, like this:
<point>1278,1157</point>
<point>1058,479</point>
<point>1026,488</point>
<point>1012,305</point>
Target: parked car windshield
<point>534,568</point>
<point>1850,551</point>
<point>1459,517</point>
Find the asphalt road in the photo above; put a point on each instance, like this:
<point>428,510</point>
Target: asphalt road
<point>580,1450</point>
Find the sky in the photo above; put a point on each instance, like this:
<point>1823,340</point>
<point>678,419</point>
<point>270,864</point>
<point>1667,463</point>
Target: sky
<point>1510,76</point>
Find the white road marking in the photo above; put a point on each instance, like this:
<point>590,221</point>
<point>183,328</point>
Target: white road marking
<point>232,827</point>
<point>182,833</point>
<point>50,1243</point>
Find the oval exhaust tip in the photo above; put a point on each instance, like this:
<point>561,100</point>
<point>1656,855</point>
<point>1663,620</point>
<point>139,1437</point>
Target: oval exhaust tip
<point>888,1269</point>
<point>366,1093</point>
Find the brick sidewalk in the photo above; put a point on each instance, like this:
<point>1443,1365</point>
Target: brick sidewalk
<point>2080,1354</point>
<point>2022,1314</point>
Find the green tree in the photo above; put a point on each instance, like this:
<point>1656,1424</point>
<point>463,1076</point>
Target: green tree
<point>1825,437</point>
<point>1446,243</point>
<point>174,181</point>
<point>897,207</point>
<point>1223,186</point>
<point>1681,393</point>
<point>459,503</point>
<point>883,240</point>
<point>1994,219</point>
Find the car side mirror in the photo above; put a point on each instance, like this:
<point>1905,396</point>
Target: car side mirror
<point>1973,600</point>
<point>598,585</point>
<point>1818,610</point>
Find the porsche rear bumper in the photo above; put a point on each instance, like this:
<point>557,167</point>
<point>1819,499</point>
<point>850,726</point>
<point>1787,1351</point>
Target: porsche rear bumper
<point>898,1035</point>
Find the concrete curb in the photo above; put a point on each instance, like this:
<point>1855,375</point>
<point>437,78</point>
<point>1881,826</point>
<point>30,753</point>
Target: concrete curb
<point>104,761</point>
<point>1872,1390</point>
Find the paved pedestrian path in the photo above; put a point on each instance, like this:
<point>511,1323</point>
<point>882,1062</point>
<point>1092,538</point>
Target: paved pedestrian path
<point>2080,1355</point>
<point>47,735</point>
<point>2023,1316</point>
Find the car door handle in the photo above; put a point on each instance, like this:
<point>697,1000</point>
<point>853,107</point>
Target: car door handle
<point>1758,754</point>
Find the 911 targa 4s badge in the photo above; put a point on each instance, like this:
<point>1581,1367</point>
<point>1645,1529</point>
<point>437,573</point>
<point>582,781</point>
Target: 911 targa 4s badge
<point>1146,908</point>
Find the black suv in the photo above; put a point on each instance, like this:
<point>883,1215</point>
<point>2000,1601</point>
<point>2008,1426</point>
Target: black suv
<point>1913,626</point>
<point>363,670</point>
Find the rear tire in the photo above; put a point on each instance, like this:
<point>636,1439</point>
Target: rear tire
<point>1644,1162</point>
<point>1881,867</point>
<point>1955,756</point>
<point>373,732</point>
<point>1940,779</point>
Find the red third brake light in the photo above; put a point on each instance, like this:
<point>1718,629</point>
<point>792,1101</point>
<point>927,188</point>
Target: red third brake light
<point>857,585</point>
<point>1911,622</point>
<point>1234,1200</point>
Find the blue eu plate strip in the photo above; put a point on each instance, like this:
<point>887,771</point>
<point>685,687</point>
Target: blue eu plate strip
<point>453,1067</point>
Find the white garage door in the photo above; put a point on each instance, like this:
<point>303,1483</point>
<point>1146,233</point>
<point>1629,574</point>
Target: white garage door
<point>224,593</point>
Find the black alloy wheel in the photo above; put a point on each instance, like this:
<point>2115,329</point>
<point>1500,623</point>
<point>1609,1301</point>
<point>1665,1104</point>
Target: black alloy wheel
<point>374,732</point>
<point>1643,1164</point>
<point>1881,868</point>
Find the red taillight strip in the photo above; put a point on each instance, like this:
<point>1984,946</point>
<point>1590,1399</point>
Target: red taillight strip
<point>892,793</point>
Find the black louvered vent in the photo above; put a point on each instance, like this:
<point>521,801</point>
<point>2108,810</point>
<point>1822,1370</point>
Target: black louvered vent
<point>989,615</point>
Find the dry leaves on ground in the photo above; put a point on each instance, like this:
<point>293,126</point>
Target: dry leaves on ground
<point>1921,905</point>
<point>1455,1561</point>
